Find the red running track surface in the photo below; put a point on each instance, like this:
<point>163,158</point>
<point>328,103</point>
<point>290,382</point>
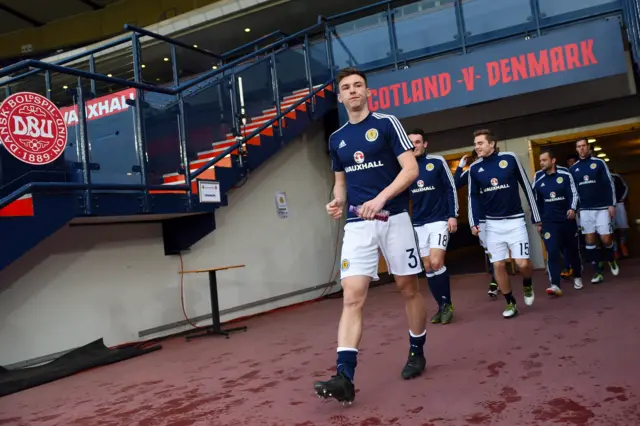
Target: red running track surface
<point>566,361</point>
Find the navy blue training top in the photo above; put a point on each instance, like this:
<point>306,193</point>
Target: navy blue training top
<point>368,154</point>
<point>433,195</point>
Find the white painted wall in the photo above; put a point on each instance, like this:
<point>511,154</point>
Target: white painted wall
<point>113,281</point>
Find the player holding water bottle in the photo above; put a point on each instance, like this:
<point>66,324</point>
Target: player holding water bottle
<point>374,165</point>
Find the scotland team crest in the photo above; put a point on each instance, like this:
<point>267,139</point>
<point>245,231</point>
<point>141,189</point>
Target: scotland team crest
<point>593,166</point>
<point>560,180</point>
<point>429,167</point>
<point>371,135</point>
<point>503,164</point>
<point>345,264</point>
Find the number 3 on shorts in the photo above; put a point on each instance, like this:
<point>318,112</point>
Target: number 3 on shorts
<point>413,260</point>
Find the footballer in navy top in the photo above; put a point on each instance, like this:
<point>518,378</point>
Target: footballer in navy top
<point>594,182</point>
<point>555,195</point>
<point>367,153</point>
<point>494,188</point>
<point>428,203</point>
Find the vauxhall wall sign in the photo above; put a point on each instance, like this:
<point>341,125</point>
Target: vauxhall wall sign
<point>32,128</point>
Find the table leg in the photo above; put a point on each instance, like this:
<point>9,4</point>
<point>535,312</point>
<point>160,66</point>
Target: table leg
<point>215,329</point>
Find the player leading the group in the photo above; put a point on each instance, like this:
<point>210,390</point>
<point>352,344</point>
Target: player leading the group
<point>378,168</point>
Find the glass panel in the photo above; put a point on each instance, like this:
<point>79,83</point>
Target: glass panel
<point>361,42</point>
<point>291,72</point>
<point>208,117</point>
<point>160,127</point>
<point>320,72</point>
<point>550,8</point>
<point>480,16</point>
<point>255,90</point>
<point>425,25</point>
<point>111,134</point>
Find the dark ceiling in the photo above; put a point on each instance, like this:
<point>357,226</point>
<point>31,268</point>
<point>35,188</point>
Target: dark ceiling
<point>289,17</point>
<point>20,14</point>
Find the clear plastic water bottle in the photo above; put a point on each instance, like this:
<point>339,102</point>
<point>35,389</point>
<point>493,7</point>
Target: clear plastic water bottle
<point>382,215</point>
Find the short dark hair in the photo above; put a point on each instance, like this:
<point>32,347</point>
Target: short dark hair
<point>485,132</point>
<point>548,150</point>
<point>417,131</point>
<point>349,71</point>
<point>573,157</point>
<point>582,139</point>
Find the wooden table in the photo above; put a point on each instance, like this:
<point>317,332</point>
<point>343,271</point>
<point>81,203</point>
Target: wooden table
<point>215,330</point>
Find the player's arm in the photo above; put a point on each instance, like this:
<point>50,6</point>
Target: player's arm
<point>610,188</point>
<point>573,196</point>
<point>405,178</point>
<point>626,189</point>
<point>460,177</point>
<point>452,196</point>
<point>336,207</point>
<point>528,192</point>
<point>452,192</point>
<point>473,204</point>
<point>539,199</point>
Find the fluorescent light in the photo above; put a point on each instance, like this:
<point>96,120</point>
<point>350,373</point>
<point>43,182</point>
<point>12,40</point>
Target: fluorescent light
<point>597,148</point>
<point>166,59</point>
<point>195,45</point>
<point>591,140</point>
<point>215,67</point>
<point>143,66</point>
<point>602,155</point>
<point>246,30</point>
<point>606,159</point>
<point>109,75</point>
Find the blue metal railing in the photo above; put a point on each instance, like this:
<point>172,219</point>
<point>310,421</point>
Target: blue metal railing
<point>388,38</point>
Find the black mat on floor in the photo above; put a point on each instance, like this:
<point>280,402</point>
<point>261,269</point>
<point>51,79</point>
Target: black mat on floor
<point>93,355</point>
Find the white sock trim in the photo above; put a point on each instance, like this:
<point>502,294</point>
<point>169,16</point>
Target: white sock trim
<point>343,349</point>
<point>441,271</point>
<point>424,333</point>
<point>430,275</point>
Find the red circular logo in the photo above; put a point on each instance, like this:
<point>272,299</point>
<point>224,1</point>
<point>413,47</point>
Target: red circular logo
<point>32,128</point>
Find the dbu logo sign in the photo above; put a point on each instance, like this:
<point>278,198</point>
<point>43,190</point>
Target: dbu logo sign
<point>32,128</point>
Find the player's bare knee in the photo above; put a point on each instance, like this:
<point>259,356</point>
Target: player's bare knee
<point>437,264</point>
<point>607,240</point>
<point>408,285</point>
<point>523,263</point>
<point>500,266</point>
<point>354,291</point>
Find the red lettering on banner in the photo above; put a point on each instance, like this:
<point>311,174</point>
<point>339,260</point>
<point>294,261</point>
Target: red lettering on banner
<point>374,105</point>
<point>588,57</point>
<point>406,100</point>
<point>557,59</point>
<point>501,71</point>
<point>572,55</point>
<point>469,78</point>
<point>396,96</point>
<point>417,91</point>
<point>519,67</point>
<point>100,107</point>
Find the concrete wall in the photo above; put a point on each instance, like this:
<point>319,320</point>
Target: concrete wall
<point>113,281</point>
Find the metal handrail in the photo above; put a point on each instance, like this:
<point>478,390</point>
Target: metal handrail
<point>23,190</point>
<point>138,187</point>
<point>70,59</point>
<point>257,131</point>
<point>169,40</point>
<point>253,43</point>
<point>27,63</point>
